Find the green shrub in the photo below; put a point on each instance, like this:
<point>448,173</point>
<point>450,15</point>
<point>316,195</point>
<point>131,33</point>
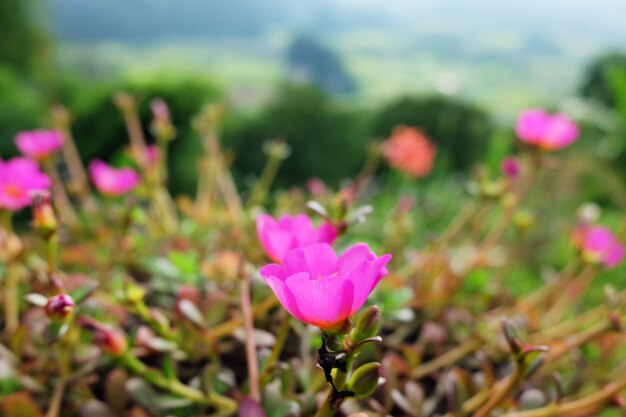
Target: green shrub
<point>99,127</point>
<point>326,141</point>
<point>21,108</point>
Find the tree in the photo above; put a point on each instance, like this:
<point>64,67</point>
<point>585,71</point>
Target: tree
<point>313,63</point>
<point>601,76</point>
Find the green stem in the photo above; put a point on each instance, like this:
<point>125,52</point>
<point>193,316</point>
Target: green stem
<point>340,381</point>
<point>52,255</point>
<point>501,394</point>
<point>250,344</point>
<point>11,298</point>
<point>159,380</point>
<point>262,186</point>
<point>60,199</point>
<point>279,345</point>
<point>589,405</point>
<point>6,221</point>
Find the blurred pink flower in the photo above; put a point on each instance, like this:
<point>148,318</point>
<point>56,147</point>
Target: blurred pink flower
<point>599,245</point>
<point>290,232</point>
<point>324,290</point>
<point>548,132</point>
<point>409,150</point>
<point>39,144</point>
<point>153,154</point>
<point>111,181</point>
<point>18,178</point>
<point>510,167</point>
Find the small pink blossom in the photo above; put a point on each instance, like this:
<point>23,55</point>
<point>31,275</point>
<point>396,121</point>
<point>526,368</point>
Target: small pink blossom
<point>510,167</point>
<point>39,144</point>
<point>152,154</point>
<point>548,132</point>
<point>320,288</point>
<point>409,150</point>
<point>599,245</point>
<point>111,181</point>
<point>290,232</point>
<point>19,177</point>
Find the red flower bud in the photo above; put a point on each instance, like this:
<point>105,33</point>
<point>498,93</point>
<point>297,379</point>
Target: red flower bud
<point>60,306</point>
<point>44,219</point>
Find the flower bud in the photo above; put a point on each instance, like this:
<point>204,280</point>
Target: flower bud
<point>60,306</point>
<point>367,324</point>
<point>365,379</point>
<point>44,219</point>
<point>134,294</point>
<point>524,220</point>
<point>510,167</point>
<point>110,340</point>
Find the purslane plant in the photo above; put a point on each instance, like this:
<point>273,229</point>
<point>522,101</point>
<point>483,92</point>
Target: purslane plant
<point>138,306</point>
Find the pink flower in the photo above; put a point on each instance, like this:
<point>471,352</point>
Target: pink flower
<point>152,154</point>
<point>409,150</point>
<point>290,232</point>
<point>599,245</point>
<point>39,144</point>
<point>548,132</point>
<point>111,181</point>
<point>510,167</point>
<point>319,288</point>
<point>18,178</point>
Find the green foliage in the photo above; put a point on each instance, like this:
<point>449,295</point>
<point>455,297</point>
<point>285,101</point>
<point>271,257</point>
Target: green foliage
<point>599,81</point>
<point>21,39</point>
<point>460,130</point>
<point>99,127</point>
<point>326,141</point>
<point>21,108</point>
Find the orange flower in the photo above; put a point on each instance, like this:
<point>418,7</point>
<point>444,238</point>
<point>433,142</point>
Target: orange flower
<point>409,150</point>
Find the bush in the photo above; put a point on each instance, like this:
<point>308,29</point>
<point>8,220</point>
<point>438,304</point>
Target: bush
<point>99,127</point>
<point>598,83</point>
<point>21,108</point>
<point>326,140</point>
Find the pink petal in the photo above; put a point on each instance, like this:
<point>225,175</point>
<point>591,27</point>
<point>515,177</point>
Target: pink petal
<point>559,132</point>
<point>365,277</point>
<point>614,255</point>
<point>354,256</point>
<point>531,124</point>
<point>273,270</point>
<point>277,243</point>
<point>318,259</point>
<point>322,302</point>
<point>285,295</point>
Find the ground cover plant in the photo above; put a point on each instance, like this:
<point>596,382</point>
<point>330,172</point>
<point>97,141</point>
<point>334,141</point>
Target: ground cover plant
<point>120,300</point>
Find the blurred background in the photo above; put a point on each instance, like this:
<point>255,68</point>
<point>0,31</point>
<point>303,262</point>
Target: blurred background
<point>326,76</point>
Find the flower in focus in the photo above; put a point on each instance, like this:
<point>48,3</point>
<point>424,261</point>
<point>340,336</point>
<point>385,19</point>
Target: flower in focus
<point>599,245</point>
<point>18,178</point>
<point>290,232</point>
<point>39,144</point>
<point>409,150</point>
<point>548,132</point>
<point>324,290</point>
<point>111,181</point>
